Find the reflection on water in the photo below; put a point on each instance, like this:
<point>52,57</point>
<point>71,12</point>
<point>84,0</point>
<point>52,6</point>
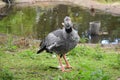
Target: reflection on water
<point>39,21</point>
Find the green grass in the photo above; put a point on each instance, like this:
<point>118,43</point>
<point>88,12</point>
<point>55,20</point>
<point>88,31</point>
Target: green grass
<point>108,1</point>
<point>88,64</point>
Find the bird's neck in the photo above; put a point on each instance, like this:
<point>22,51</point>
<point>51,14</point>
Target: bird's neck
<point>68,30</point>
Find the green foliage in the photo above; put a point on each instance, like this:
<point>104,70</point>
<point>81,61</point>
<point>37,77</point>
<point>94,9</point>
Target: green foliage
<point>9,45</point>
<point>99,75</point>
<point>18,22</point>
<point>98,53</point>
<point>108,1</point>
<point>27,65</point>
<point>116,63</point>
<point>6,74</point>
<point>118,59</point>
<point>28,54</point>
<point>21,21</point>
<point>83,50</point>
<point>83,40</point>
<point>115,32</point>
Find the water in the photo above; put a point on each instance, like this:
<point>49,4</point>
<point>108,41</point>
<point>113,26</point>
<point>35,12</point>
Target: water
<point>38,21</point>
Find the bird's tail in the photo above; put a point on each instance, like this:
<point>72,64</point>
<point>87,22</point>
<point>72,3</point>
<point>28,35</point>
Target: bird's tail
<point>42,49</point>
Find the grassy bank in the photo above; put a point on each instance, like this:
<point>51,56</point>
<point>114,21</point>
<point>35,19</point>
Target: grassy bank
<point>108,1</point>
<point>88,64</point>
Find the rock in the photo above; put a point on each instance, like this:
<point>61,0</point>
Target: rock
<point>94,27</point>
<point>2,3</point>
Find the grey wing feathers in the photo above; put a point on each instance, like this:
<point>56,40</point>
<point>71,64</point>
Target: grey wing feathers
<point>53,38</point>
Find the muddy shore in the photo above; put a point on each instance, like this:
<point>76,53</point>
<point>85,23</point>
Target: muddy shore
<point>113,8</point>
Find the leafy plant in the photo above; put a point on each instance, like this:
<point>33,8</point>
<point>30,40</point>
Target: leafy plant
<point>28,53</point>
<point>9,46</point>
<point>98,55</point>
<point>92,75</point>
<point>107,1</point>
<point>116,63</point>
<point>5,74</point>
<point>83,40</point>
<point>118,59</point>
<point>26,65</point>
<point>99,75</point>
<point>81,51</point>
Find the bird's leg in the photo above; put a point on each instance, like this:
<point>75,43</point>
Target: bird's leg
<point>67,63</point>
<point>61,65</point>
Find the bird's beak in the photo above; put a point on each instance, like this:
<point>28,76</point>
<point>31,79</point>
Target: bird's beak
<point>63,24</point>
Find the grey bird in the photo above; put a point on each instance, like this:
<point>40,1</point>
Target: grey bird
<point>61,41</point>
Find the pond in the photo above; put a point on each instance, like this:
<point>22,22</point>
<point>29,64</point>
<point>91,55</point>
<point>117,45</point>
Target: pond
<point>37,21</point>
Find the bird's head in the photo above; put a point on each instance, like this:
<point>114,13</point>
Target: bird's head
<point>67,22</point>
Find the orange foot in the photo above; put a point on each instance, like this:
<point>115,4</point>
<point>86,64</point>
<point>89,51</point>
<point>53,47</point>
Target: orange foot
<point>64,67</point>
<point>68,67</point>
<point>66,70</point>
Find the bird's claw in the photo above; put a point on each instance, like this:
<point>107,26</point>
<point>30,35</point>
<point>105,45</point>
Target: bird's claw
<point>68,67</point>
<point>65,68</point>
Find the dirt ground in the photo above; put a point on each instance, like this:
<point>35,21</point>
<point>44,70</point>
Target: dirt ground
<point>113,8</point>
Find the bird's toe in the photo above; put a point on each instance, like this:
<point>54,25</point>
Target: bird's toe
<point>66,70</point>
<point>68,67</point>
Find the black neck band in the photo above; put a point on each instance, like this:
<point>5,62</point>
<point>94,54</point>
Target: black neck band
<point>68,30</point>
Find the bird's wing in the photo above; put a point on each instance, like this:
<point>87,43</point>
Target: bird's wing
<point>53,39</point>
